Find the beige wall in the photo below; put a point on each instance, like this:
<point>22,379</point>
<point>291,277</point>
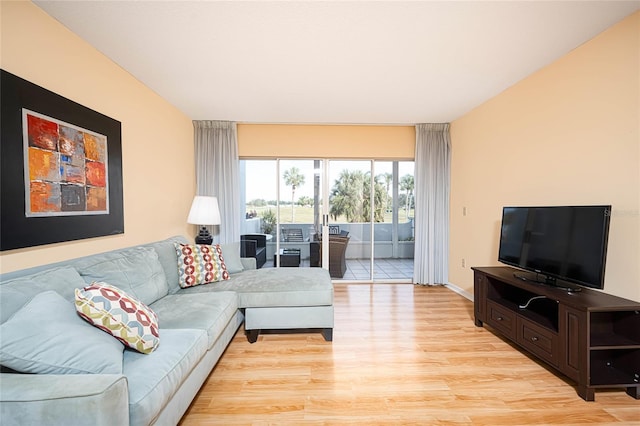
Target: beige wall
<point>313,141</point>
<point>568,134</point>
<point>157,139</point>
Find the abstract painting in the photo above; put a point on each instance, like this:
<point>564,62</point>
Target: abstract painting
<point>60,168</point>
<point>65,168</point>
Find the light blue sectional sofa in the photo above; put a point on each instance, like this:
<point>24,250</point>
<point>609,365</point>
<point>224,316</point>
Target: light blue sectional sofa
<point>90,382</point>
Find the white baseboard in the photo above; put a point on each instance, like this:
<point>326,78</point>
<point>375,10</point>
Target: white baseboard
<point>460,291</point>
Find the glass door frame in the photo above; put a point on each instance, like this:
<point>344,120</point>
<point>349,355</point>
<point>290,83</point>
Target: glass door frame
<point>327,209</point>
<point>324,222</point>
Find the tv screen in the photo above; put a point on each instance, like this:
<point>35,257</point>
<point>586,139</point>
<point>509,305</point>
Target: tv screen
<point>565,242</point>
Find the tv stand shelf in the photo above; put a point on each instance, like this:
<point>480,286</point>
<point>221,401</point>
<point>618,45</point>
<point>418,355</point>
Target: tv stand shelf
<point>591,337</point>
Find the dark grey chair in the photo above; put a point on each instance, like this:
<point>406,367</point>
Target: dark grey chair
<point>254,245</point>
<point>337,251</point>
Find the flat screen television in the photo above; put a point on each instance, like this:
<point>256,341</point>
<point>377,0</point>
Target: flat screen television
<point>567,243</point>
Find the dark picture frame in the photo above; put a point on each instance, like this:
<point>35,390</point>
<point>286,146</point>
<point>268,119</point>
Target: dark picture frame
<point>16,229</point>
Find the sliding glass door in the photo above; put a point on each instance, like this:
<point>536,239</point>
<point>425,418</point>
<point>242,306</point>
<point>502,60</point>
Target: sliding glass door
<point>394,220</point>
<point>350,216</point>
<point>299,213</point>
<point>366,208</point>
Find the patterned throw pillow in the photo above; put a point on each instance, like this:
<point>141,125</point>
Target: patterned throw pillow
<point>200,264</point>
<point>125,318</point>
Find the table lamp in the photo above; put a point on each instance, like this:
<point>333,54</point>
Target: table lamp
<point>204,211</point>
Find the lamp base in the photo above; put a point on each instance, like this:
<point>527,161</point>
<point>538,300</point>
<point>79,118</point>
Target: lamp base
<point>204,237</point>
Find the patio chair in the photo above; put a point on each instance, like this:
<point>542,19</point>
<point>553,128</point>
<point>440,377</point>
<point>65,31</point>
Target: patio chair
<point>337,251</point>
<point>254,245</point>
<point>292,235</point>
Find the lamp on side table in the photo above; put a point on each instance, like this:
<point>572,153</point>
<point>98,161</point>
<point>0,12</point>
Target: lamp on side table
<point>204,211</point>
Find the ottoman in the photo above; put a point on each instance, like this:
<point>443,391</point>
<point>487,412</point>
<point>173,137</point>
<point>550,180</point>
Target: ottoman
<point>278,299</point>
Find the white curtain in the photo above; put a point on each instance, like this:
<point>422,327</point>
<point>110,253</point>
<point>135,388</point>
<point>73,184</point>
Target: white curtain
<point>432,186</point>
<point>217,174</point>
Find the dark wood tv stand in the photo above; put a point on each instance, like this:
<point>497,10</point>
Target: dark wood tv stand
<point>591,337</point>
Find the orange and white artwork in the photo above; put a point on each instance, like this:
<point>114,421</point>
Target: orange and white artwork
<point>65,168</point>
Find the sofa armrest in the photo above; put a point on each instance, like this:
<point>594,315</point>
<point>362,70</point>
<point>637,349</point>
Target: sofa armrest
<point>248,262</point>
<point>65,399</point>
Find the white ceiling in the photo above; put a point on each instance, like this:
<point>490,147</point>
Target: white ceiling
<point>366,62</point>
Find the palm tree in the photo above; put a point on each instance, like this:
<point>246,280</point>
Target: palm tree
<point>407,184</point>
<point>350,197</point>
<point>294,179</point>
<point>346,196</point>
<point>378,199</point>
<point>388,178</point>
<point>305,201</point>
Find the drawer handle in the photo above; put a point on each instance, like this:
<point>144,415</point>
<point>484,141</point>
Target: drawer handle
<point>534,339</point>
<point>499,318</point>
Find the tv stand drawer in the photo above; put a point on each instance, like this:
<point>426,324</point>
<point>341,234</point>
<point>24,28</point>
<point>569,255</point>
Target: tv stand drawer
<point>538,340</point>
<point>501,318</point>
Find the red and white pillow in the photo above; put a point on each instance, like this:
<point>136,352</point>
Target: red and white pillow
<point>200,264</point>
<point>119,314</point>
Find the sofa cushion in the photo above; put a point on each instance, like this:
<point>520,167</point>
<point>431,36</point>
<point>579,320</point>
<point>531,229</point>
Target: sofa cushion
<point>166,250</point>
<point>231,253</point>
<point>276,287</point>
<point>64,400</point>
<point>210,312</point>
<point>46,336</point>
<point>17,292</point>
<point>136,270</point>
<point>119,314</point>
<point>155,378</point>
<point>200,264</point>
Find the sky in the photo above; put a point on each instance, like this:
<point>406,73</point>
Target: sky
<point>261,175</point>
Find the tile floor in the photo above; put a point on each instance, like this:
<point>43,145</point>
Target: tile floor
<point>359,269</point>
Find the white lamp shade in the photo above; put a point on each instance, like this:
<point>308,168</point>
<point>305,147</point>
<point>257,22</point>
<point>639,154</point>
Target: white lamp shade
<point>204,211</point>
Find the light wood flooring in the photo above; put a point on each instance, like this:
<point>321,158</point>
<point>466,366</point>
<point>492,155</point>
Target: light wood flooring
<point>401,354</point>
